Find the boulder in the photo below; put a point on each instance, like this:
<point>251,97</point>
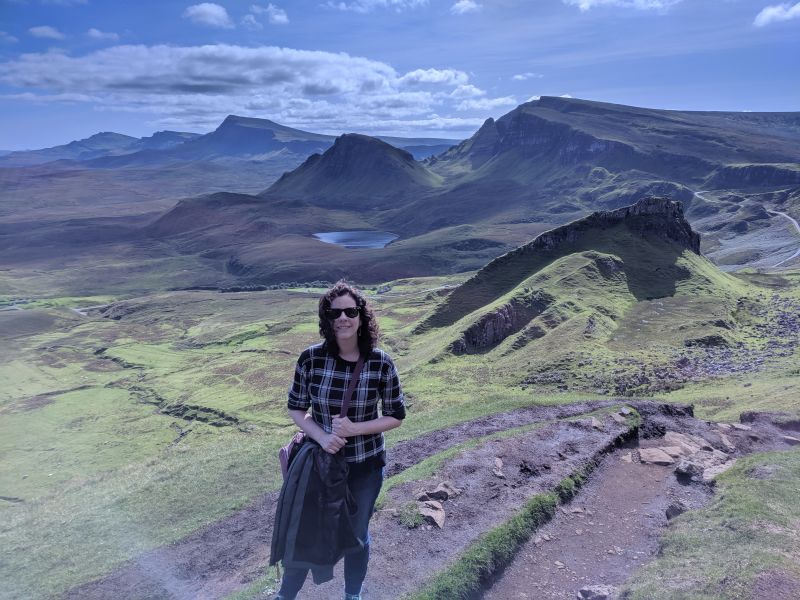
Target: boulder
<point>711,472</point>
<point>726,441</point>
<point>704,466</point>
<point>674,509</point>
<point>690,469</point>
<point>433,512</point>
<point>597,424</point>
<point>689,444</point>
<point>498,468</point>
<point>444,491</point>
<point>792,441</point>
<point>655,456</point>
<point>597,592</point>
<point>674,451</point>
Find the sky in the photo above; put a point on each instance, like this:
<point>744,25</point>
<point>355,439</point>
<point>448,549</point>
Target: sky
<point>431,68</point>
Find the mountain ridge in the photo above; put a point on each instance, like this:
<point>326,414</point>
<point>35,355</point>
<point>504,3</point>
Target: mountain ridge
<point>651,217</point>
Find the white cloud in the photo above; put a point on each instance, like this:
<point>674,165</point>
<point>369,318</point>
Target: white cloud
<point>526,76</point>
<point>585,5</point>
<point>49,98</point>
<point>276,15</point>
<point>6,38</point>
<point>365,6</point>
<point>197,86</point>
<point>46,32</point>
<point>249,21</point>
<point>487,103</point>
<point>465,6</point>
<point>438,76</point>
<point>777,13</point>
<point>467,91</point>
<point>565,96</point>
<point>210,14</point>
<point>533,99</point>
<point>96,34</point>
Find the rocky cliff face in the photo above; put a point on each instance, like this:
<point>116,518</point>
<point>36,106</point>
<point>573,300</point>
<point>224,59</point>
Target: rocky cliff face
<point>532,136</point>
<point>496,326</point>
<point>651,216</point>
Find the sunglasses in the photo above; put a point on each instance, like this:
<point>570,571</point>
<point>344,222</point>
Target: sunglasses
<point>335,313</point>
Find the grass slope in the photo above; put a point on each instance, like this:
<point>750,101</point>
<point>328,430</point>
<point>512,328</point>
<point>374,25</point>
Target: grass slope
<point>103,466</point>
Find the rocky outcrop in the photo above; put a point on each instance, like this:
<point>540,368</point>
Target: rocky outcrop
<point>494,327</point>
<point>656,216</point>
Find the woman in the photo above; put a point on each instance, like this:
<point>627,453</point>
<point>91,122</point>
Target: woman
<point>348,326</point>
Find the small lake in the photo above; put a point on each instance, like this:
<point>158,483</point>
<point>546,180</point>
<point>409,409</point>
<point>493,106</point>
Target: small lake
<point>357,239</point>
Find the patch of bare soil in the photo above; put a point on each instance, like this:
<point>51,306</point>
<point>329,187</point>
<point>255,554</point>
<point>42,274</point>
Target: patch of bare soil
<point>602,537</point>
<point>613,526</point>
<point>495,479</point>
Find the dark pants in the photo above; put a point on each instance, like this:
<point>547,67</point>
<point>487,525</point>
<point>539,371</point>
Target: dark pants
<point>365,488</point>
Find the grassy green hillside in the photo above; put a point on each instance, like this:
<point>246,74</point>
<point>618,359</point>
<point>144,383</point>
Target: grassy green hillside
<point>127,431</point>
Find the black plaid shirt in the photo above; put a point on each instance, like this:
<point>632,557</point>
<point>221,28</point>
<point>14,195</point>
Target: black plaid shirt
<point>320,381</point>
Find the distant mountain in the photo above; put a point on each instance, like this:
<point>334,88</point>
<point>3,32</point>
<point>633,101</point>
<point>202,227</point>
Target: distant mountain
<point>236,138</point>
<point>97,145</point>
<point>580,149</point>
<point>544,164</point>
<point>357,171</point>
<point>161,140</point>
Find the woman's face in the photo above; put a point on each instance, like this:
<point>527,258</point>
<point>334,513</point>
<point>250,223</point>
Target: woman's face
<point>345,327</point>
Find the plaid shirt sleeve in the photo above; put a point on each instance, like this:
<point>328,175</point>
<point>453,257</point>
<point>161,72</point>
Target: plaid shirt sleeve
<point>392,404</point>
<point>299,398</point>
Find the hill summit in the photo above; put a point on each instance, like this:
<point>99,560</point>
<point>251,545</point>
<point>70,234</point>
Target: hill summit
<point>357,169</point>
<point>641,242</point>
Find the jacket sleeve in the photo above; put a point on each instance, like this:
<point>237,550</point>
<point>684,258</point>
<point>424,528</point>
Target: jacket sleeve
<point>392,399</point>
<point>299,398</point>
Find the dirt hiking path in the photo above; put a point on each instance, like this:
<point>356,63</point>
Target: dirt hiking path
<point>601,538</point>
<point>226,556</point>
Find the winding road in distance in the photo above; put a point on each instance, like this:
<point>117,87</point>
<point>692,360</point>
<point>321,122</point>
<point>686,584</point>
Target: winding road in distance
<point>796,226</point>
<point>700,193</point>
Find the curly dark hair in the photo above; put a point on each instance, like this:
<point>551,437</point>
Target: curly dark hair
<point>368,332</point>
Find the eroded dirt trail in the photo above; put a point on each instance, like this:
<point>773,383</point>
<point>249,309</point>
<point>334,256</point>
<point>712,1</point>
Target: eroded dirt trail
<point>622,508</point>
<point>601,538</point>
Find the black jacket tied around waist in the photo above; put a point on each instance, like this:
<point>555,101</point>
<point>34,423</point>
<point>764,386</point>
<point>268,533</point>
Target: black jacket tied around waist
<point>312,527</point>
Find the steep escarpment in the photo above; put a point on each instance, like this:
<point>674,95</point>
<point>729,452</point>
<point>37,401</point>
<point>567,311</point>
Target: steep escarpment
<point>520,143</point>
<point>652,231</point>
<point>559,155</point>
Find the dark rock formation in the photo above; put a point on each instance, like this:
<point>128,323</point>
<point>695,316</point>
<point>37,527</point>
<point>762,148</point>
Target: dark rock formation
<point>494,327</point>
<point>656,216</point>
